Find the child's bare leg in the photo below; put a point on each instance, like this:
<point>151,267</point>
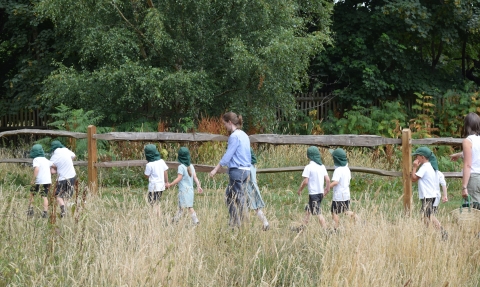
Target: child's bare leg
<point>352,215</point>
<point>30,207</point>
<point>179,214</point>
<point>307,217</point>
<point>45,203</point>
<point>31,200</point>
<point>321,219</point>
<point>336,219</point>
<point>435,222</point>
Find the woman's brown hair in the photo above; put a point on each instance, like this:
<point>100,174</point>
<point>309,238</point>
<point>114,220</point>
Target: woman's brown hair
<point>236,120</point>
<point>471,125</point>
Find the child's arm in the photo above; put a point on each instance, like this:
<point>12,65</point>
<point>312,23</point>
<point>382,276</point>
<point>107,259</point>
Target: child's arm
<point>53,169</point>
<point>199,186</point>
<point>445,196</point>
<point>165,176</point>
<point>35,173</point>
<point>415,164</point>
<point>327,184</point>
<point>302,185</point>
<point>332,184</point>
<point>177,180</point>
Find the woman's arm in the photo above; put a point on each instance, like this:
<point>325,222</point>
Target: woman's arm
<point>467,165</point>
<point>456,156</point>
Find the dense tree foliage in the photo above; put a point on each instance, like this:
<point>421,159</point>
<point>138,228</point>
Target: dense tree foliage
<point>136,60</point>
<point>131,59</point>
<point>391,49</point>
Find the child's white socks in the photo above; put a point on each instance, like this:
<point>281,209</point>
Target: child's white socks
<point>262,217</point>
<point>194,218</point>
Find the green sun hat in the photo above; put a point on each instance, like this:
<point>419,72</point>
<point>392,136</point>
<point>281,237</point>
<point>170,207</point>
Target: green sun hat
<point>151,153</point>
<point>339,157</point>
<point>425,151</point>
<point>37,151</point>
<point>184,156</point>
<point>314,155</point>
<point>433,161</point>
<point>54,145</point>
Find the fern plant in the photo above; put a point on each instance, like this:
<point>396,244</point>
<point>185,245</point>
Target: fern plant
<point>68,119</point>
<point>422,125</point>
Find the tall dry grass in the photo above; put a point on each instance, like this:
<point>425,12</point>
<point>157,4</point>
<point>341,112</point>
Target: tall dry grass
<point>116,239</point>
<point>123,243</point>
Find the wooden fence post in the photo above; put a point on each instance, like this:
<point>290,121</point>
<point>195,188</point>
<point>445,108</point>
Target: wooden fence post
<point>92,159</point>
<point>407,169</point>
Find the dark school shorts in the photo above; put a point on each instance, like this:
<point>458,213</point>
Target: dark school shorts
<point>427,206</point>
<point>340,206</point>
<point>314,201</point>
<point>65,188</point>
<point>44,192</point>
<point>154,197</point>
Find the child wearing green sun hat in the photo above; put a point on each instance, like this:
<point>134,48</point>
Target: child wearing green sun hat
<point>156,172</point>
<point>42,178</point>
<point>315,176</point>
<point>185,178</point>
<point>341,186</point>
<point>424,173</point>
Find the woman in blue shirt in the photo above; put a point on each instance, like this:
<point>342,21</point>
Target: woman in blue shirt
<point>237,159</point>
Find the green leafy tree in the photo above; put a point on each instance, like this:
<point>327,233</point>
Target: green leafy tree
<point>27,48</point>
<point>130,59</point>
<point>391,49</point>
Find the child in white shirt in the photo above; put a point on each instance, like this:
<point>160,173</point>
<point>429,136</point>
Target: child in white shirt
<point>156,172</point>
<point>427,185</point>
<point>441,181</point>
<point>341,186</point>
<point>316,177</point>
<point>42,178</point>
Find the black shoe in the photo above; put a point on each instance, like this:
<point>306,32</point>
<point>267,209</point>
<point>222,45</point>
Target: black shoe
<point>298,228</point>
<point>444,235</point>
<point>30,212</point>
<point>44,214</point>
<point>62,214</point>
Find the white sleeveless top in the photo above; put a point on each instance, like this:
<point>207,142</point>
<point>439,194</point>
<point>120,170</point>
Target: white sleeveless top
<point>475,153</point>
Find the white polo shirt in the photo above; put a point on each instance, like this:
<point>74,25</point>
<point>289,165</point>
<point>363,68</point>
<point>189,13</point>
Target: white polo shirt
<point>62,158</point>
<point>341,191</point>
<point>428,182</point>
<point>316,177</point>
<point>442,182</point>
<point>44,176</point>
<point>156,179</point>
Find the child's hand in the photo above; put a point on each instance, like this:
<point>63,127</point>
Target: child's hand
<point>416,163</point>
<point>444,199</point>
<point>167,185</point>
<point>200,190</point>
<point>299,192</point>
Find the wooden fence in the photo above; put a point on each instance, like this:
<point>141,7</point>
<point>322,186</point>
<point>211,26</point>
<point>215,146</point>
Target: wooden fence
<point>318,140</point>
<point>25,118</point>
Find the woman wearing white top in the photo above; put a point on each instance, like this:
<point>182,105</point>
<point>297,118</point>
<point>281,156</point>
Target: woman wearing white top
<point>471,158</point>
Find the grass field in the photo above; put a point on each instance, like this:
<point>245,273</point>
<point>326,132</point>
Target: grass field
<point>115,239</point>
